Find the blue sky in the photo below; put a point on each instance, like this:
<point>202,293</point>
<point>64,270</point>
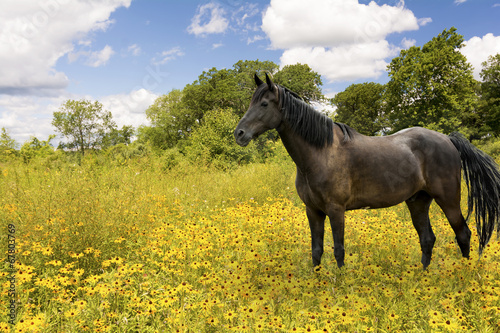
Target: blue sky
<point>126,53</point>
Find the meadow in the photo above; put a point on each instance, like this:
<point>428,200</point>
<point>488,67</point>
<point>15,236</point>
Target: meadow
<point>132,246</point>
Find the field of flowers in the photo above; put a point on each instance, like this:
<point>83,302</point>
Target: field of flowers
<point>136,249</point>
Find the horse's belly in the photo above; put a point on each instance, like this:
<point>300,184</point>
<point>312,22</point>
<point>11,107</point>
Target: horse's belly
<point>382,195</point>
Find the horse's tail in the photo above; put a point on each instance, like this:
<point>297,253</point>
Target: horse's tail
<point>482,177</point>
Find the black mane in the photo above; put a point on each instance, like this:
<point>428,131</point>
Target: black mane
<point>313,126</point>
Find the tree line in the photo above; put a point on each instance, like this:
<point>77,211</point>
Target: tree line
<point>430,86</point>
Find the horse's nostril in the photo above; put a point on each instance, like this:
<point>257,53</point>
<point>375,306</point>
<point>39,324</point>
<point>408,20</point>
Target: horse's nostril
<point>240,133</point>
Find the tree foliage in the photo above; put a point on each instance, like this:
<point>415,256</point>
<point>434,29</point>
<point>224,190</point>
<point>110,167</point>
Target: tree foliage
<point>489,108</point>
<point>36,148</point>
<point>118,136</point>
<point>361,106</point>
<point>6,141</point>
<point>83,123</point>
<point>213,142</point>
<point>225,88</point>
<point>174,116</point>
<point>431,86</point>
<point>170,121</point>
<point>302,80</point>
<point>7,144</point>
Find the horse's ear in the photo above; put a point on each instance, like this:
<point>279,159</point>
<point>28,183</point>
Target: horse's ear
<point>270,83</point>
<point>258,81</point>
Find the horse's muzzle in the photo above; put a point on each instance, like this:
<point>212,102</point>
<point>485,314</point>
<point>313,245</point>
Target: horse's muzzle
<point>241,136</point>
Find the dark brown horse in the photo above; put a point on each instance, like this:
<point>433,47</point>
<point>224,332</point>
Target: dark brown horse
<point>339,169</point>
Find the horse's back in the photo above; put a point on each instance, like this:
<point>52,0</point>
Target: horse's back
<point>429,146</point>
<point>439,159</point>
<point>390,169</point>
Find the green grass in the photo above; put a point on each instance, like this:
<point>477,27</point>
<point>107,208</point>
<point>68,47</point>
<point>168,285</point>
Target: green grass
<point>132,246</point>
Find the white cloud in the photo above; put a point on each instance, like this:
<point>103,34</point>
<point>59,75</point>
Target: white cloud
<point>92,58</point>
<point>298,23</point>
<point>35,34</point>
<point>100,58</point>
<point>324,107</point>
<point>343,63</point>
<point>26,116</point>
<point>478,49</point>
<point>243,17</point>
<point>340,39</point>
<point>135,50</point>
<point>407,43</point>
<point>129,109</point>
<point>209,19</point>
<point>254,39</point>
<point>167,56</point>
<point>424,21</point>
<point>458,2</point>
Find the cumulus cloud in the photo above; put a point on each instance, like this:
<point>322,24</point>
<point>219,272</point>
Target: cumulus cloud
<point>298,23</point>
<point>27,116</point>
<point>478,49</point>
<point>209,19</point>
<point>336,63</point>
<point>129,109</point>
<point>35,34</point>
<point>340,39</point>
<point>100,58</point>
<point>407,43</point>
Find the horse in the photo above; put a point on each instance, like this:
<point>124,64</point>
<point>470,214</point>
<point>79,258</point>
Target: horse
<point>339,169</point>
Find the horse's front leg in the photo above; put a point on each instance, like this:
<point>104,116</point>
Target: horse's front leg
<point>317,225</point>
<point>337,221</point>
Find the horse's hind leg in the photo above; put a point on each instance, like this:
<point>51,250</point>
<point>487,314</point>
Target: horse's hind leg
<point>451,209</point>
<point>419,209</point>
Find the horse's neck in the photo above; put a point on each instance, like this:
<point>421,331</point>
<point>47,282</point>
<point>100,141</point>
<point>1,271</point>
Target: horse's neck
<point>301,152</point>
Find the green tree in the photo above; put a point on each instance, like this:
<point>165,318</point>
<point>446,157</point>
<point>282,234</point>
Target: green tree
<point>244,71</point>
<point>213,89</point>
<point>8,145</point>
<point>431,86</point>
<point>489,108</point>
<point>212,142</point>
<point>83,123</point>
<point>118,136</point>
<point>170,121</point>
<point>225,88</point>
<point>361,107</point>
<point>174,115</point>
<point>36,148</point>
<point>302,80</point>
<point>6,142</point>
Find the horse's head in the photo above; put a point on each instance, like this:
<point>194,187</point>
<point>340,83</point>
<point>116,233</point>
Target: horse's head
<point>262,115</point>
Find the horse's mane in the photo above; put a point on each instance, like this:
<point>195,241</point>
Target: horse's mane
<point>313,126</point>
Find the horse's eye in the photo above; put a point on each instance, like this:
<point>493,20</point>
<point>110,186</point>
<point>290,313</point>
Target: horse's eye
<point>264,104</point>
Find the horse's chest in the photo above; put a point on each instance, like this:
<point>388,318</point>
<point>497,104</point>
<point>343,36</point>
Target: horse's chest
<point>316,192</point>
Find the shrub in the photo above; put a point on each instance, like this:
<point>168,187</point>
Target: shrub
<point>490,147</point>
<point>212,142</point>
<point>36,148</point>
